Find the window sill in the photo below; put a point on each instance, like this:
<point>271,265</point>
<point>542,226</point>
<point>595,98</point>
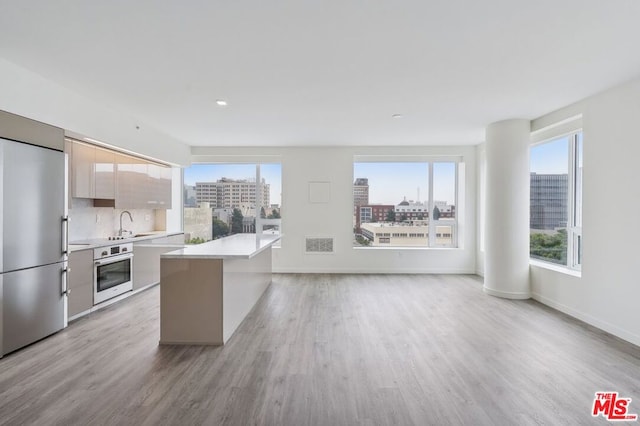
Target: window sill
<point>407,248</point>
<point>556,268</point>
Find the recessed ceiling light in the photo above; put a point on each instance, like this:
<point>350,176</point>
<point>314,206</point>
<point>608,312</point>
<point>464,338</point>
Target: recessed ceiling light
<point>397,116</point>
<point>221,102</point>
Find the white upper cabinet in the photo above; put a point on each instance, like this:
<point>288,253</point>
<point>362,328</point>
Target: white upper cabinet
<point>142,184</point>
<point>83,159</point>
<point>104,174</point>
<point>130,182</point>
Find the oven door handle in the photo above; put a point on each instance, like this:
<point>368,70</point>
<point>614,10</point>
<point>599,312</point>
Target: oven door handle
<point>113,259</point>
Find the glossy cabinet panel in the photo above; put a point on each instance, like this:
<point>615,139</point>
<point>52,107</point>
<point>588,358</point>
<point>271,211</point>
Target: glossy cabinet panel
<point>83,158</point>
<point>141,184</point>
<point>131,174</point>
<point>132,182</point>
<point>80,281</point>
<point>24,129</point>
<point>105,174</point>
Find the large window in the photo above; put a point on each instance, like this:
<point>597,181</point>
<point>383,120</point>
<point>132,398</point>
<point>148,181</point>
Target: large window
<point>556,201</point>
<point>405,204</point>
<point>225,199</point>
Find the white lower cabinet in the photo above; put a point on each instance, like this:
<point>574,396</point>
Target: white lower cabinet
<point>146,259</point>
<point>80,282</point>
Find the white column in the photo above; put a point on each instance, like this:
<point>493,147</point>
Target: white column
<point>507,210</point>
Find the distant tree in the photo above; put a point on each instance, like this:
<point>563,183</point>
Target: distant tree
<point>236,221</point>
<point>263,214</point>
<point>403,217</point>
<point>391,216</point>
<point>551,247</point>
<point>362,240</point>
<point>196,240</point>
<point>436,213</point>
<point>220,229</point>
<point>274,214</point>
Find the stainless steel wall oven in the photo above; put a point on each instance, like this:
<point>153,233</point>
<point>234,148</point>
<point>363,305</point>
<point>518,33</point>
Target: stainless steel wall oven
<point>112,273</point>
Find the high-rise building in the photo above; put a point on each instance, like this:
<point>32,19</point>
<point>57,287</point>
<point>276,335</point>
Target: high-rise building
<point>190,196</point>
<point>361,192</point>
<point>548,201</point>
<point>231,193</point>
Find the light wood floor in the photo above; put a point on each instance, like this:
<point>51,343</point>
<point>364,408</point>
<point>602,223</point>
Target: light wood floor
<point>328,350</point>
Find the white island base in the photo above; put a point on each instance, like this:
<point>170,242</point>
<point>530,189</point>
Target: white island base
<point>207,290</point>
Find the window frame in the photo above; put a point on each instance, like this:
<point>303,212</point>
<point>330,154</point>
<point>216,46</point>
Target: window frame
<point>252,188</point>
<point>574,232</point>
<point>457,160</point>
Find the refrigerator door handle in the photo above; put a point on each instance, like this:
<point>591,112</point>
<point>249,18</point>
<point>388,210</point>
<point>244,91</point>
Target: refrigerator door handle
<point>65,282</point>
<point>65,235</point>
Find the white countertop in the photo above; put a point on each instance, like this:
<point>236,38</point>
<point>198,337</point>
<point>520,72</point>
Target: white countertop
<point>238,246</point>
<point>103,242</point>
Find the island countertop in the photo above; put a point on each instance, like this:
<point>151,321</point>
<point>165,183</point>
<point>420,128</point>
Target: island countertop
<point>238,246</point>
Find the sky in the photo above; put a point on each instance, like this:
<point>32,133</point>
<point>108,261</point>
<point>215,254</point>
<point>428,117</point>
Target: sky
<point>390,183</point>
<point>271,173</point>
<point>551,157</point>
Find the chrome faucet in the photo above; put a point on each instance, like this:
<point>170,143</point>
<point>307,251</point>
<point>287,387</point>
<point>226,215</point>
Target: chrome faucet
<point>120,231</point>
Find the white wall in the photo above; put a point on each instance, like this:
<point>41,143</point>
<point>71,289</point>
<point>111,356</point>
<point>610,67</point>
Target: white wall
<point>30,95</point>
<point>608,292</point>
<point>302,218</point>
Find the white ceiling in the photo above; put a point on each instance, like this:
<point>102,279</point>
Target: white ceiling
<point>332,72</point>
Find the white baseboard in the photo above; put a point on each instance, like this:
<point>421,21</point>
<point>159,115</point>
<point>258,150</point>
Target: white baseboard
<point>307,270</point>
<point>507,294</point>
<point>589,319</point>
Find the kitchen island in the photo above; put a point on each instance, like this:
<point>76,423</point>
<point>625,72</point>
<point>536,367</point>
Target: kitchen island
<point>206,290</point>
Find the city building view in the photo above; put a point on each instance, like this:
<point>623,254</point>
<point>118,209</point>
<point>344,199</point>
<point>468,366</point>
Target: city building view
<point>549,201</point>
<point>225,199</point>
<point>556,201</point>
<point>405,222</point>
<point>361,192</point>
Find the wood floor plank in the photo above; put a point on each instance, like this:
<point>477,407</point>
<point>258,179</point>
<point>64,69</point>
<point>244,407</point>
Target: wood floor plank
<point>328,349</point>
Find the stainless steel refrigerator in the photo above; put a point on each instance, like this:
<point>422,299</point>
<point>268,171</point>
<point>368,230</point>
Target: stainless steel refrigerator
<point>33,244</point>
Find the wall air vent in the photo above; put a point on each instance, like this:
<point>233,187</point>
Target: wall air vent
<point>319,245</point>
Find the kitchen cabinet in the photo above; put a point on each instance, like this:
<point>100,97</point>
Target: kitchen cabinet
<point>18,128</point>
<point>113,179</point>
<point>146,258</point>
<point>82,170</point>
<point>159,184</point>
<point>92,172</point>
<point>104,174</point>
<point>141,184</point>
<point>80,282</point>
<point>128,183</point>
<point>171,240</point>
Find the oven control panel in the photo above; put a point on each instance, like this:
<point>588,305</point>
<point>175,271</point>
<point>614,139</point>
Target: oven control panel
<point>115,250</point>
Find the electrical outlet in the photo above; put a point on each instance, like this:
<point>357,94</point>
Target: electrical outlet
<point>147,217</point>
<point>97,218</point>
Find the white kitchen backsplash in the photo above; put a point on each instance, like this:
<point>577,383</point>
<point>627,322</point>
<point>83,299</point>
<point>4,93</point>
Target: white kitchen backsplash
<point>87,222</point>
